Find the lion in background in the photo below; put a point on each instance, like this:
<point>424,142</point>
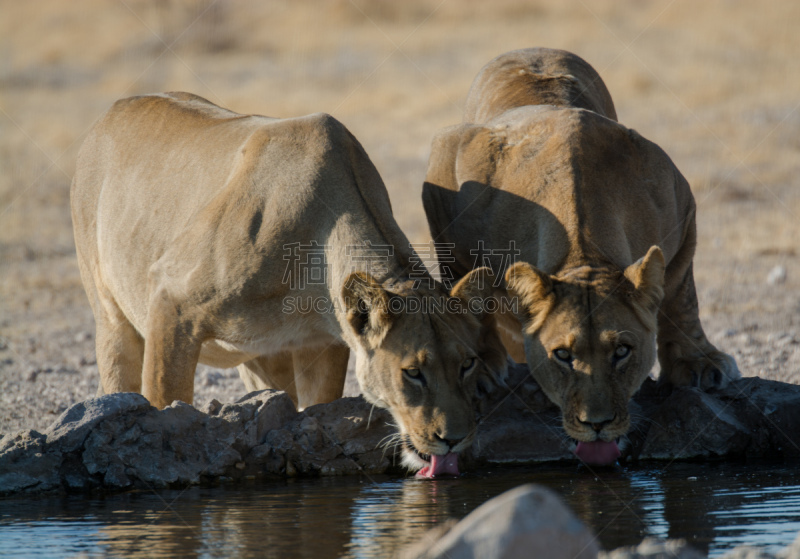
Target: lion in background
<point>603,228</point>
<point>183,212</point>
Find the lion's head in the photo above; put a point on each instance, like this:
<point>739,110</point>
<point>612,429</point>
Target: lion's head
<point>422,354</point>
<point>590,336</point>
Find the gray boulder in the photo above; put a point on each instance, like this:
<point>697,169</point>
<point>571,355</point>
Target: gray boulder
<point>791,552</point>
<point>527,521</point>
<point>70,430</point>
<point>119,441</point>
<point>751,417</point>
<point>26,464</point>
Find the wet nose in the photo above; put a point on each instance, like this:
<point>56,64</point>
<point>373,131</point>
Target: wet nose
<point>450,442</point>
<point>597,425</point>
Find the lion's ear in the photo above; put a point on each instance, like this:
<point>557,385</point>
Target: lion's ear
<point>367,308</point>
<point>475,290</point>
<point>647,276</point>
<point>532,294</point>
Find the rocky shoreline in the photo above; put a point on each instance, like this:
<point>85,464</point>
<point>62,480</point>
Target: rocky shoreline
<point>119,441</point>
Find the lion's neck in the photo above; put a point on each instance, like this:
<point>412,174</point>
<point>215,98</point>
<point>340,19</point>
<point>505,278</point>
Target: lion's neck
<point>389,259</point>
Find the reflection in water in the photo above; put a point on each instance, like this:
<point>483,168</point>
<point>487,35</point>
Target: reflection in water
<point>715,507</point>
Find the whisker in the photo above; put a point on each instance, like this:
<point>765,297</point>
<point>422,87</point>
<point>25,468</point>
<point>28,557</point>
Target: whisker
<point>369,418</point>
<point>388,438</point>
<point>640,418</point>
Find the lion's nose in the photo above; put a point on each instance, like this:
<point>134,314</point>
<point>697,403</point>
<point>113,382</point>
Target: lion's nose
<point>451,443</point>
<point>598,425</point>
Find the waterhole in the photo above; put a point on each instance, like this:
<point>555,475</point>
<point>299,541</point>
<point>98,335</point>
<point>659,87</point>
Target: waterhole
<point>714,506</point>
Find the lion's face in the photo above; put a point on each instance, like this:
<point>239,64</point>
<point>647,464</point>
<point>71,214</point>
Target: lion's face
<point>424,363</point>
<point>590,341</point>
<point>590,357</point>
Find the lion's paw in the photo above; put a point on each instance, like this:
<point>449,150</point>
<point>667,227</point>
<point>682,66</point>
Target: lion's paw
<point>714,369</point>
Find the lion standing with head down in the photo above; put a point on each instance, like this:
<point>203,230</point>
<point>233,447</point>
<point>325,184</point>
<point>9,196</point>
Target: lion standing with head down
<point>183,212</point>
<point>603,224</point>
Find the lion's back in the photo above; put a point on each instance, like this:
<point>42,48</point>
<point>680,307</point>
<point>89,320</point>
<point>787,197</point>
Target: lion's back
<point>155,161</point>
<point>172,180</point>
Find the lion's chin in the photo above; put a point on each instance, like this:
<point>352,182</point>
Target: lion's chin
<point>435,466</point>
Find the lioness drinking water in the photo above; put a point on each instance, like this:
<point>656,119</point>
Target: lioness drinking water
<point>602,225</point>
<point>190,225</point>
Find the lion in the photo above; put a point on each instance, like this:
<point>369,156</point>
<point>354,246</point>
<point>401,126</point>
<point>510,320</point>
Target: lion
<point>601,227</point>
<point>197,231</point>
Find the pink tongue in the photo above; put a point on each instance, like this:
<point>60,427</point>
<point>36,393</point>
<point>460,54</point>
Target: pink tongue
<point>598,453</point>
<point>447,464</point>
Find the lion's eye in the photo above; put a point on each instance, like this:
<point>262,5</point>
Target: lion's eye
<point>563,355</point>
<point>621,352</point>
<point>467,365</point>
<point>415,375</point>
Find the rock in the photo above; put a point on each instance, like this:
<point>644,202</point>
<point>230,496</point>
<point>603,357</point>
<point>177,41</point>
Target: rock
<point>176,445</point>
<point>26,464</point>
<point>652,548</point>
<point>119,441</point>
<point>357,429</point>
<point>712,429</point>
<point>333,439</point>
<point>777,275</point>
<point>74,425</point>
<point>180,444</point>
<point>751,417</point>
<point>213,407</point>
<point>270,408</point>
<point>518,425</point>
<point>528,521</point>
<point>791,552</point>
<point>747,552</point>
<point>82,337</point>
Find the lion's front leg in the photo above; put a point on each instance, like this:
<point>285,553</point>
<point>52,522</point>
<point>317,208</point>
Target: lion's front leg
<point>171,351</point>
<point>319,373</point>
<point>309,376</point>
<point>275,371</point>
<point>686,356</point>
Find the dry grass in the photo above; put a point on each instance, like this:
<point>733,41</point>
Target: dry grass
<point>715,83</point>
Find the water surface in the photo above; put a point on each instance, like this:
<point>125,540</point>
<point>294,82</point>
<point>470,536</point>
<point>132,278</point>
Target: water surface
<point>714,506</point>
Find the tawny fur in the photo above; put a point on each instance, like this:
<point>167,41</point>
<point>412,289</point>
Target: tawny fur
<point>604,226</point>
<point>184,216</point>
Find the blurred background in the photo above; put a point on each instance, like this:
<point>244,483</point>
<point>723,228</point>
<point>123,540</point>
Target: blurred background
<point>715,83</point>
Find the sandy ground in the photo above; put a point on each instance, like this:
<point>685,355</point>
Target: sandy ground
<point>714,83</point>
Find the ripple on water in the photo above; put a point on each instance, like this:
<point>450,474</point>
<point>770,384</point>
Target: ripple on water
<point>714,506</point>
